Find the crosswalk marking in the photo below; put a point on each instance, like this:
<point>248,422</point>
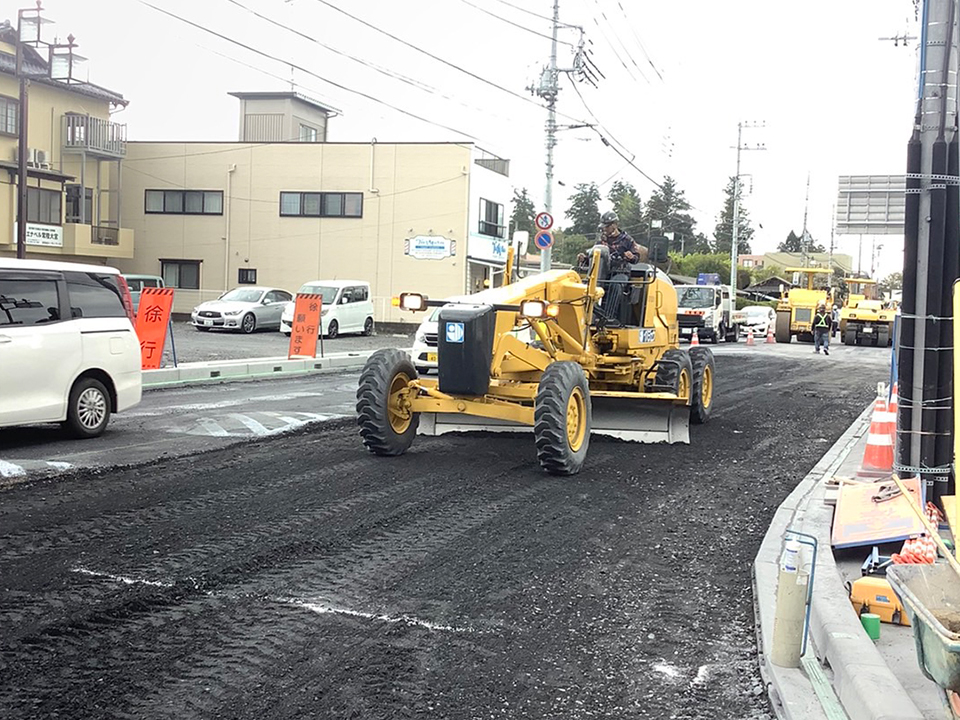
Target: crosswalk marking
<point>253,424</point>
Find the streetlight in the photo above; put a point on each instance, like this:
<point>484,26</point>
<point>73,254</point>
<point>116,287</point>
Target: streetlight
<point>29,25</point>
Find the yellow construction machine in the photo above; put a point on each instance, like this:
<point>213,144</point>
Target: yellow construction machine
<point>562,353</point>
<point>863,319</point>
<point>796,306</point>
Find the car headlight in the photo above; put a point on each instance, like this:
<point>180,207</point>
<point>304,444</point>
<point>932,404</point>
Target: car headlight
<point>232,312</point>
<point>420,337</point>
<point>324,311</point>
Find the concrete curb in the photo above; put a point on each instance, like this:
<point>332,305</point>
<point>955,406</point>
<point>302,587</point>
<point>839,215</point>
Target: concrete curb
<point>867,688</point>
<point>251,369</point>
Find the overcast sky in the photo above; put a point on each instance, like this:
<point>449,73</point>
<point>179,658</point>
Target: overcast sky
<point>833,97</point>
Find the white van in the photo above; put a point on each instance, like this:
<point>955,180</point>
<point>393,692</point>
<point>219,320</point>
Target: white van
<point>347,307</point>
<point>68,349</point>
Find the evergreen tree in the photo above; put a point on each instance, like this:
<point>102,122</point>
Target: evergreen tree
<point>668,205</point>
<point>627,205</point>
<point>723,232</point>
<point>567,246</point>
<point>523,214</point>
<point>791,244</point>
<point>584,212</point>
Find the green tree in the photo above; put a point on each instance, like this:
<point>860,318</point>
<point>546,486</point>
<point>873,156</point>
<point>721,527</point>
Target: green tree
<point>523,214</point>
<point>723,232</point>
<point>628,206</point>
<point>668,205</point>
<point>791,244</point>
<point>892,283</point>
<point>768,271</point>
<point>719,263</point>
<point>566,246</point>
<point>584,211</point>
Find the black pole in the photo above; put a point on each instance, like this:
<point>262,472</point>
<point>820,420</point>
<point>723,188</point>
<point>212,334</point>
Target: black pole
<point>911,236</point>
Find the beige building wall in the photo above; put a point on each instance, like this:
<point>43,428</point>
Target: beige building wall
<point>47,106</point>
<point>408,190</point>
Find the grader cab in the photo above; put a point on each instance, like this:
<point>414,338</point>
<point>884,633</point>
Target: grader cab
<point>564,354</point>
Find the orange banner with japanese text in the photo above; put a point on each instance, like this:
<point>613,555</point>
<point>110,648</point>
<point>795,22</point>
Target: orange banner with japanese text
<point>306,325</point>
<point>153,319</point>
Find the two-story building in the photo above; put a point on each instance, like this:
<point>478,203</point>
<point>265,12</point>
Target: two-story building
<point>75,152</point>
<point>282,206</point>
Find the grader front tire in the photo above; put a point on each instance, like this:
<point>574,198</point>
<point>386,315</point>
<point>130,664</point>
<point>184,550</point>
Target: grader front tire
<point>386,427</point>
<point>562,418</point>
<point>701,395</point>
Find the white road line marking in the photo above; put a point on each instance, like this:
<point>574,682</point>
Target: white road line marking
<point>322,608</point>
<point>667,669</point>
<point>255,427</point>
<point>703,674</point>
<point>212,427</point>
<point>8,469</point>
<point>120,578</point>
<point>59,465</point>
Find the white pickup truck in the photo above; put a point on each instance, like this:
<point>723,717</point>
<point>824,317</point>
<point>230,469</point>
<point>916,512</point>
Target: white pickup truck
<point>711,310</point>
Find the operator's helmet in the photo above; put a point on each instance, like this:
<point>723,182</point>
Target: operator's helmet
<point>609,217</point>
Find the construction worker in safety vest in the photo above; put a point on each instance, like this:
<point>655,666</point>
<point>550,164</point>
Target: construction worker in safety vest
<point>822,322</point>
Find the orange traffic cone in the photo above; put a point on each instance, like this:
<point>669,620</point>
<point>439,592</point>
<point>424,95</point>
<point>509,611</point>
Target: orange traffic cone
<point>878,456</point>
<point>770,338</point>
<point>694,339</point>
<point>750,341</point>
<point>892,409</point>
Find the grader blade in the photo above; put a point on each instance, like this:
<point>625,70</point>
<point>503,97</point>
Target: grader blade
<point>644,421</point>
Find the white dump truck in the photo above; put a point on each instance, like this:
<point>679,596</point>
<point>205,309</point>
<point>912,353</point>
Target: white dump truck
<point>710,309</point>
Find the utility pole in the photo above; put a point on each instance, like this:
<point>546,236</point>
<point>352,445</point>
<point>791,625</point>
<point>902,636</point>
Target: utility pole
<point>29,24</point>
<point>549,91</point>
<point>734,235</point>
<point>805,235</point>
<point>584,69</point>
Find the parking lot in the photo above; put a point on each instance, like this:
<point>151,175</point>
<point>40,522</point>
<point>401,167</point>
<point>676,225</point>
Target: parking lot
<point>195,346</point>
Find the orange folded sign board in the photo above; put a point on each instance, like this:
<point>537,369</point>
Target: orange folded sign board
<point>861,520</point>
<point>153,319</point>
<point>306,325</point>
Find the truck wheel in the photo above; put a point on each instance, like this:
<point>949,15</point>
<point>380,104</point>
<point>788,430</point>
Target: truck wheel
<point>89,410</point>
<point>850,337</point>
<point>701,394</point>
<point>674,373</point>
<point>386,426</point>
<point>562,418</point>
<point>783,327</point>
<point>733,335</point>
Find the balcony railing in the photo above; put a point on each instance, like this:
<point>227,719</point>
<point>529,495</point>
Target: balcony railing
<point>492,229</point>
<point>90,134</point>
<point>105,235</point>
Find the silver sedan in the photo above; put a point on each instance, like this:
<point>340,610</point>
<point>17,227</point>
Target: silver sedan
<point>243,308</point>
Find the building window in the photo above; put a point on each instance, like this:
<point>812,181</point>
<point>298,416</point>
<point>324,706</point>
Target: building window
<point>9,115</point>
<point>314,204</point>
<point>308,134</point>
<point>491,219</point>
<point>73,208</point>
<point>247,276</point>
<point>183,274</point>
<point>43,206</point>
<point>183,202</point>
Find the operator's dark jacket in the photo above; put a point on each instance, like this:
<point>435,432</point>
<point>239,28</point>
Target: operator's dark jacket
<point>619,245</point>
<point>822,321</point>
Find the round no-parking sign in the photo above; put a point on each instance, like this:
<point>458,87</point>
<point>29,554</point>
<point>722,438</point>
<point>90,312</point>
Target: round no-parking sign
<point>543,240</point>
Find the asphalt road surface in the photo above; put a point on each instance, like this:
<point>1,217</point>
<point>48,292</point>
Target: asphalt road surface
<point>298,576</point>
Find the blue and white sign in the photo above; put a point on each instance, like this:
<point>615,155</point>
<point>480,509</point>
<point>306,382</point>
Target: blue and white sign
<point>543,240</point>
<point>708,279</point>
<point>488,249</point>
<point>455,332</point>
<point>429,247</point>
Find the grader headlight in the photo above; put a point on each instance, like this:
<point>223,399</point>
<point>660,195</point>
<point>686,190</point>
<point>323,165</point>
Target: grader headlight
<point>533,308</point>
<point>414,302</point>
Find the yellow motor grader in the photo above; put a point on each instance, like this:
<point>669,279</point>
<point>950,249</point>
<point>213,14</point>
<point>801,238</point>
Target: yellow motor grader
<point>562,353</point>
<point>864,320</point>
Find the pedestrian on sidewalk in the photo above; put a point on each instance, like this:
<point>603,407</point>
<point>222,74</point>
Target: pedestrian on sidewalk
<point>821,329</point>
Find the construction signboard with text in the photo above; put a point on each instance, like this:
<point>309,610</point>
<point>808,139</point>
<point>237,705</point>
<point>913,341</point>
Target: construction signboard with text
<point>305,325</point>
<point>153,319</point>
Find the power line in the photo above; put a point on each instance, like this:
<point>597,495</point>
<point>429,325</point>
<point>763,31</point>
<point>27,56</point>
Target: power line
<point>449,64</point>
<point>639,41</point>
<point>305,70</point>
<point>613,28</point>
<point>511,22</point>
<point>373,66</point>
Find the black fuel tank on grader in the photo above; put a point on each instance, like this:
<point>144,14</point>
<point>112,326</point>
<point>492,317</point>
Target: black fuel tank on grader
<point>543,353</point>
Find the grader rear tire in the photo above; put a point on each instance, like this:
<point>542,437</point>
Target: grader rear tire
<point>674,372</point>
<point>385,426</point>
<point>701,393</point>
<point>783,327</point>
<point>562,418</point>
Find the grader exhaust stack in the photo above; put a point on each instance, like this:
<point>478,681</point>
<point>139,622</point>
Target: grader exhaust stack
<point>557,354</point>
